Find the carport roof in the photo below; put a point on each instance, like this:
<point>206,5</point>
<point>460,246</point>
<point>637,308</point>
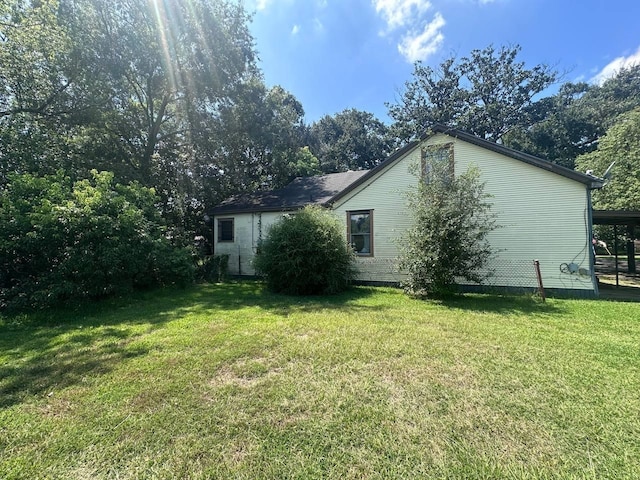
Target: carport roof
<point>616,217</point>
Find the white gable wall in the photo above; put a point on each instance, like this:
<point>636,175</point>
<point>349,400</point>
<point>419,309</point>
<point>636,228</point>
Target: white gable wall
<point>542,215</point>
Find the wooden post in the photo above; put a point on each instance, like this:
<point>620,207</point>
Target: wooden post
<point>536,265</point>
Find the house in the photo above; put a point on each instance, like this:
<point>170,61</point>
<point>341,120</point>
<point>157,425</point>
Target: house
<point>543,211</point>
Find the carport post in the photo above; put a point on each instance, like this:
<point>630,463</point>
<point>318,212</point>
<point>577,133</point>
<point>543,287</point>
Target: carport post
<point>631,254</point>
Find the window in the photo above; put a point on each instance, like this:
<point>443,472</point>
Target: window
<point>360,231</point>
<point>225,230</point>
<point>437,163</point>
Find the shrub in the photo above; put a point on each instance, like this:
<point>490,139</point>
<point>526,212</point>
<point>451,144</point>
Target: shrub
<point>448,240</point>
<point>306,253</point>
<point>213,268</point>
<point>63,241</point>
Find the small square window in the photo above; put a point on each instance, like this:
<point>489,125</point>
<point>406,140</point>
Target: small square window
<point>225,230</point>
<point>360,231</point>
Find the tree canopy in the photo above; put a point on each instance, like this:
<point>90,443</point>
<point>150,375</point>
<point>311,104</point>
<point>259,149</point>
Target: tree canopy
<point>571,122</point>
<point>622,145</point>
<point>168,94</point>
<point>349,140</point>
<point>488,94</point>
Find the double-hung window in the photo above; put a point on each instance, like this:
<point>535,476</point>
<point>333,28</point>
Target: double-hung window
<point>360,231</point>
<point>437,163</point>
<point>225,230</point>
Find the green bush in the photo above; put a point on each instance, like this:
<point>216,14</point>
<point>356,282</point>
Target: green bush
<point>306,253</point>
<point>63,241</point>
<point>213,268</point>
<point>452,218</point>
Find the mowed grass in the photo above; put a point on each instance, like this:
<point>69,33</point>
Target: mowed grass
<point>230,381</point>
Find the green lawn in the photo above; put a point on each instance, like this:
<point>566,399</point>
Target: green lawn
<point>228,381</point>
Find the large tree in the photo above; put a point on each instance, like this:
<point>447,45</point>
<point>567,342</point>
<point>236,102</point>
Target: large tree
<point>168,66</point>
<point>257,142</point>
<point>130,86</point>
<point>43,86</point>
<point>571,122</point>
<point>488,94</point>
<point>622,145</point>
<point>349,140</point>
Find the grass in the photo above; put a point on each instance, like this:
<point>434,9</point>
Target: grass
<point>229,381</point>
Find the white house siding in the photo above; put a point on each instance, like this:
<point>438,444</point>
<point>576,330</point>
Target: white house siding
<point>249,228</point>
<point>385,195</point>
<point>541,214</point>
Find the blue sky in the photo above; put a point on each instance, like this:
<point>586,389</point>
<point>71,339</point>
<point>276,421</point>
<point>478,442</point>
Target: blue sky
<point>338,54</point>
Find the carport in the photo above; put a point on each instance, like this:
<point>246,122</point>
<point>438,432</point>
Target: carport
<point>628,219</point>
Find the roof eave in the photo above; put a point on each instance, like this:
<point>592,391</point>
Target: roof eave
<point>371,173</point>
<point>233,211</point>
<point>591,182</point>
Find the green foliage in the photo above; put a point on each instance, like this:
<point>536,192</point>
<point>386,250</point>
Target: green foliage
<point>571,122</point>
<point>306,253</point>
<point>487,94</point>
<point>63,241</point>
<point>622,145</point>
<point>349,140</point>
<point>213,268</point>
<point>448,240</point>
<point>129,86</point>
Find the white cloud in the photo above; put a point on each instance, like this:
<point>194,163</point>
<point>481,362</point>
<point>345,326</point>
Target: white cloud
<point>295,29</point>
<point>615,66</point>
<point>398,13</point>
<point>420,46</point>
<point>262,4</point>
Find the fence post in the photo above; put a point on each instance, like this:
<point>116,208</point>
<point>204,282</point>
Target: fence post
<point>536,265</point>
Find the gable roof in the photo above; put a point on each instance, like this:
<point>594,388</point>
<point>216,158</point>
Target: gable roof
<point>318,190</point>
<point>326,189</point>
<point>588,180</point>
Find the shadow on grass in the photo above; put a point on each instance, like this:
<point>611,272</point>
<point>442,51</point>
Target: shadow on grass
<point>59,348</point>
<point>250,294</point>
<point>504,304</point>
<point>46,359</point>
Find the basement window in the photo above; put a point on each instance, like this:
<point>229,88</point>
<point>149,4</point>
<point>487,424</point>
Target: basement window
<point>360,232</point>
<point>225,230</point>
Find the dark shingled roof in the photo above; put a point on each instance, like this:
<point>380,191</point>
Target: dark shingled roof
<point>326,189</point>
<point>302,191</point>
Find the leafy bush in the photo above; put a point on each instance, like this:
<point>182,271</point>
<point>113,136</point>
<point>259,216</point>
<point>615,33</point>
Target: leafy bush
<point>63,241</point>
<point>306,253</point>
<point>213,268</point>
<point>451,220</point>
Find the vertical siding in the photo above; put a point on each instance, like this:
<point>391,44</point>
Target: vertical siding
<point>541,215</point>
